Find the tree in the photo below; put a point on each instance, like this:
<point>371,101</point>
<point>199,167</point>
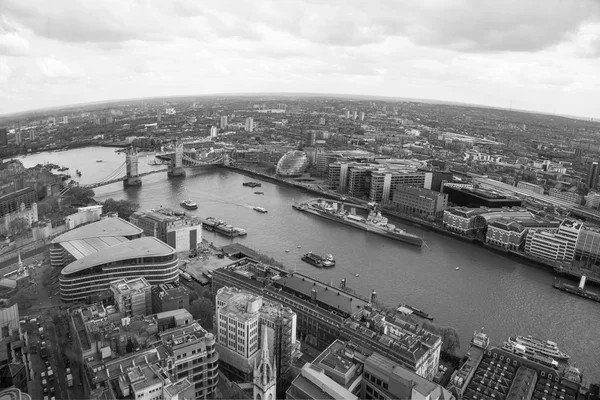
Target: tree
<point>79,195</point>
<point>202,309</point>
<point>123,207</point>
<point>24,299</point>
<point>450,340</point>
<point>18,226</point>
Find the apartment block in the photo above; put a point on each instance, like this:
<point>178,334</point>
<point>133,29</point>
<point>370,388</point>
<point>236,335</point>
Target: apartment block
<point>241,317</point>
<point>132,296</point>
<point>420,202</point>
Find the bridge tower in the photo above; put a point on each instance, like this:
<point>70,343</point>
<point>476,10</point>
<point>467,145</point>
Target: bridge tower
<point>132,176</point>
<point>176,165</point>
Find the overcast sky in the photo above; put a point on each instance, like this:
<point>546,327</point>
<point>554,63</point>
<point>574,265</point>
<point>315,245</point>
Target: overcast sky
<point>541,55</point>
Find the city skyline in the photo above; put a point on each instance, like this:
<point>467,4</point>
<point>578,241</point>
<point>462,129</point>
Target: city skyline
<point>531,56</point>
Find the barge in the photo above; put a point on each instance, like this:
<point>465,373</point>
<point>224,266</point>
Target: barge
<point>326,261</point>
<point>580,290</point>
<point>221,227</point>
<point>374,223</point>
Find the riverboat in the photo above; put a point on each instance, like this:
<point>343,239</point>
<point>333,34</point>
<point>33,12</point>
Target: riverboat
<point>526,352</point>
<point>259,192</point>
<point>546,348</point>
<point>418,312</point>
<point>252,184</point>
<point>260,209</point>
<point>189,204</point>
<point>98,160</point>
<point>326,261</point>
<point>229,230</point>
<point>374,223</point>
<point>576,290</point>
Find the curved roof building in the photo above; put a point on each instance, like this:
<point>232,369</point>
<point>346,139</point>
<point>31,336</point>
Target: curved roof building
<point>146,257</point>
<point>91,238</point>
<point>293,163</point>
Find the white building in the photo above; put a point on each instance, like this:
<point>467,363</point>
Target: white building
<point>554,245</point>
<point>65,119</point>
<point>214,131</point>
<point>223,122</point>
<point>249,124</point>
<point>592,200</point>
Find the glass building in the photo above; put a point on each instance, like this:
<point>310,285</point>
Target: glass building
<point>293,163</point>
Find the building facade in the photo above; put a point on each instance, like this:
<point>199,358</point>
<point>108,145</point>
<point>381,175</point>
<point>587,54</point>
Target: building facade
<point>132,296</point>
<point>420,202</point>
<point>183,233</point>
<point>10,203</point>
<point>383,184</point>
<point>169,297</point>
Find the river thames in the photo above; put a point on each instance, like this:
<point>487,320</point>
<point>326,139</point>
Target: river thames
<point>503,296</point>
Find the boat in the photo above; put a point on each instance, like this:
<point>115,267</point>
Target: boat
<point>259,192</point>
<point>545,348</point>
<point>457,268</point>
<point>98,160</point>
<point>319,261</point>
<point>78,172</point>
<point>287,251</point>
<point>259,209</point>
<point>356,275</point>
<point>252,184</point>
<point>525,352</point>
<point>299,247</point>
<point>580,291</point>
<point>418,312</point>
<point>190,205</point>
<point>374,222</point>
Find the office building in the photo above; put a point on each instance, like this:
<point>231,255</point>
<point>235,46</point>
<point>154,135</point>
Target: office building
<point>362,115</point>
<point>242,317</point>
<point>555,245</point>
<point>183,233</point>
<point>145,257</point>
<point>326,313</point>
<point>18,138</point>
<point>591,180</point>
<point>592,200</point>
<point>178,363</point>
<point>10,203</point>
<point>293,163</point>
<point>32,135</point>
<point>169,297</point>
<point>385,379</point>
<point>419,202</point>
<point>13,369</point>
<point>355,115</point>
<point>310,139</point>
<point>570,196</point>
<point>338,176</point>
<point>347,114</point>
<point>358,181</point>
<point>249,124</point>
<point>322,121</point>
<point>132,296</point>
<point>324,159</point>
<point>214,131</point>
<point>65,119</point>
<point>506,233</point>
<point>3,137</point>
<point>383,183</point>
<point>223,122</point>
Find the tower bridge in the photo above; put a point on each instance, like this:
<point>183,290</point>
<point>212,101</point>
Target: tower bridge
<point>179,160</point>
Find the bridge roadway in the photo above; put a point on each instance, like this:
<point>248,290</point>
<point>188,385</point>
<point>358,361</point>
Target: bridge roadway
<point>99,184</point>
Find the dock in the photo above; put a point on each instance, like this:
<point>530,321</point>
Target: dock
<point>580,290</point>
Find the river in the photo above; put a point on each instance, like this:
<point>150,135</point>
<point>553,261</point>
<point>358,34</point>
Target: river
<point>502,295</point>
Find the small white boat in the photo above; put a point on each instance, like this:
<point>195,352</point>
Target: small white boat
<point>259,209</point>
<point>457,268</point>
<point>189,204</point>
<point>357,275</point>
<point>287,251</point>
<point>299,247</point>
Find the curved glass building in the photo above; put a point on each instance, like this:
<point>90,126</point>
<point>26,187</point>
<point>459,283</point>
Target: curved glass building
<point>293,163</point>
<point>148,257</point>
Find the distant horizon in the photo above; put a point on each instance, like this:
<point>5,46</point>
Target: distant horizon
<point>341,96</point>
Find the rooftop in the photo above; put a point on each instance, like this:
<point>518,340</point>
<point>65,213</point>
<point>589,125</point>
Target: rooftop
<point>80,248</point>
<point>122,286</point>
<point>419,384</point>
<point>103,228</point>
<point>142,247</point>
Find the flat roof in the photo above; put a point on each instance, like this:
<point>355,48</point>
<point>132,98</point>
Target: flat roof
<point>142,247</point>
<point>103,228</point>
<point>420,384</point>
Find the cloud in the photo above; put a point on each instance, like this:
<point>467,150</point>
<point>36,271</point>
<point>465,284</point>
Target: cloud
<point>11,42</point>
<point>5,71</point>
<point>53,69</point>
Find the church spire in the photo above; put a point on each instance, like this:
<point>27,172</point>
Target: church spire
<point>264,374</point>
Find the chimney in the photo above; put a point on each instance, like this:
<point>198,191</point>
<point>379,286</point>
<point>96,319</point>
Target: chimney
<point>313,295</point>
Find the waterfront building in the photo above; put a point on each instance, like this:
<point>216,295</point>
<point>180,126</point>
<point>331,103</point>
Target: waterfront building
<point>249,124</point>
<point>147,257</point>
<point>91,238</point>
<point>13,368</point>
<point>463,220</point>
<point>178,363</point>
<point>338,176</point>
<point>181,232</point>
<point>326,313</point>
<point>223,122</point>
<point>358,181</point>
<point>242,317</point>
<point>383,183</point>
<point>420,202</point>
<point>385,379</point>
<point>169,297</point>
<point>293,163</point>
<point>324,159</point>
<point>591,180</point>
<point>132,296</point>
<point>475,197</point>
<point>569,196</point>
<point>10,203</point>
<point>506,233</point>
<point>531,187</point>
<point>544,243</point>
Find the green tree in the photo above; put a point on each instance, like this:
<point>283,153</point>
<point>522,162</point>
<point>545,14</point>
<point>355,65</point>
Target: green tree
<point>24,299</point>
<point>79,195</point>
<point>203,310</point>
<point>19,226</point>
<point>450,340</point>
<point>123,207</point>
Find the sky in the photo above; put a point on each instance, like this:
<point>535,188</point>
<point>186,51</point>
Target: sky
<point>539,55</point>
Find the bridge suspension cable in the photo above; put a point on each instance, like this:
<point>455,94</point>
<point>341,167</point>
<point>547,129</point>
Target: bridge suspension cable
<point>117,173</point>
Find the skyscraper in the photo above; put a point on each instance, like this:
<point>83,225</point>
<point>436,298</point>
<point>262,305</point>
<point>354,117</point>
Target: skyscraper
<point>18,139</point>
<point>224,122</point>
<point>592,176</point>
<point>3,136</point>
<point>213,131</point>
<point>362,115</point>
<point>249,124</point>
